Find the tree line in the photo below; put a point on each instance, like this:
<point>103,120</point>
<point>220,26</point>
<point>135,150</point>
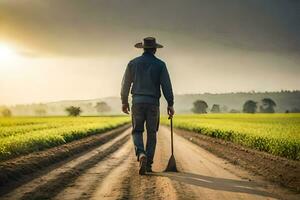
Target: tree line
<point>267,106</point>
<point>100,107</point>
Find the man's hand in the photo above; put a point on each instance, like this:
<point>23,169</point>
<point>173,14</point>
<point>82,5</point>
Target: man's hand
<point>125,108</point>
<point>171,111</point>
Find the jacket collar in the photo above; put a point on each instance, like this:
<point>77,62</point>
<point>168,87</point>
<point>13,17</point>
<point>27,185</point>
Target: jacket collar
<point>148,54</point>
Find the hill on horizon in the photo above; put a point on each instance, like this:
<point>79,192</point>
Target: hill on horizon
<point>285,100</point>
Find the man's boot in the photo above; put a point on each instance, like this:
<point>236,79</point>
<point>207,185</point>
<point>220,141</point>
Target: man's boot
<point>143,164</point>
<point>149,169</point>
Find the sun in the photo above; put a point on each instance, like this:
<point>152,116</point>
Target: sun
<point>7,52</point>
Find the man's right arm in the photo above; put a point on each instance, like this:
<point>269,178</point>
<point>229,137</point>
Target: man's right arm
<point>126,84</point>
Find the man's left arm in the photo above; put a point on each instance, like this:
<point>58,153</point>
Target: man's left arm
<point>167,90</point>
<point>125,88</point>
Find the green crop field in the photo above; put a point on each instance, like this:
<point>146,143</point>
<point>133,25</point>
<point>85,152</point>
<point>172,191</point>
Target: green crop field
<point>21,135</point>
<point>278,134</point>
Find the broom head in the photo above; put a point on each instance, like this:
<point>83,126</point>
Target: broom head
<point>171,165</point>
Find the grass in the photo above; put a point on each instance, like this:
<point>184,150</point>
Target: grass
<point>278,134</point>
<point>22,135</point>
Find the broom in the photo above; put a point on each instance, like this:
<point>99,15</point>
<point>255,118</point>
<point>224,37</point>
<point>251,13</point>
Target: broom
<point>172,162</point>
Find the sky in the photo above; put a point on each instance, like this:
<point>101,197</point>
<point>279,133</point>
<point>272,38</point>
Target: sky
<point>53,50</point>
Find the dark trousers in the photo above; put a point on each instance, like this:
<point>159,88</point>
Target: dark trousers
<point>145,113</point>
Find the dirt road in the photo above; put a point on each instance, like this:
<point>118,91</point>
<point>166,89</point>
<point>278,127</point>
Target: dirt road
<point>110,172</point>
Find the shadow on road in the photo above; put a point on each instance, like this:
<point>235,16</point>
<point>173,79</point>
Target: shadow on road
<point>215,183</point>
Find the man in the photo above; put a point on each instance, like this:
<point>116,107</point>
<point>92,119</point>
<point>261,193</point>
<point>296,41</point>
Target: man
<point>146,74</point>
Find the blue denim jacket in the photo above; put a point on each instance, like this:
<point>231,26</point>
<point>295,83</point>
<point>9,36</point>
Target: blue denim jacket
<point>146,74</point>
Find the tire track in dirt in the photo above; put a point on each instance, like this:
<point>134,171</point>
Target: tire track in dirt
<point>49,185</point>
<point>102,173</point>
<point>111,186</point>
<point>154,186</point>
<point>21,170</point>
<point>149,186</point>
<point>209,177</point>
<point>111,172</point>
<point>279,170</point>
<point>162,156</point>
<point>124,182</point>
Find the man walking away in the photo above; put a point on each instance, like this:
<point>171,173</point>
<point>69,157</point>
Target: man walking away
<point>146,74</point>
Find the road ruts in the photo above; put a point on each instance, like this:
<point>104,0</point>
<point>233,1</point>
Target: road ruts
<point>111,172</point>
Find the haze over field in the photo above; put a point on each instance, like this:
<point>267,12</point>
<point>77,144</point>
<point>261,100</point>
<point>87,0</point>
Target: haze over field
<point>61,49</point>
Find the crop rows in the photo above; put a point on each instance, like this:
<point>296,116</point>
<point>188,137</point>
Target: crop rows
<point>278,134</point>
<point>22,135</point>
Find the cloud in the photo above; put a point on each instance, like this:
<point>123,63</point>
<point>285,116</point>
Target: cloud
<point>74,27</point>
<point>210,46</point>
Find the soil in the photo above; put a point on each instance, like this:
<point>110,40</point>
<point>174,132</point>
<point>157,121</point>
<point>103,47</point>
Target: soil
<point>14,170</point>
<point>276,169</point>
<point>110,171</point>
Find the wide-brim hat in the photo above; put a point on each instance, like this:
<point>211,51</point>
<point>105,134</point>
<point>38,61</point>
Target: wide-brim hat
<point>149,43</point>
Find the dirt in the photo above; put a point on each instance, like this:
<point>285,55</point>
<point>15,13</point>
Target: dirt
<point>273,168</point>
<point>110,171</point>
<point>21,168</point>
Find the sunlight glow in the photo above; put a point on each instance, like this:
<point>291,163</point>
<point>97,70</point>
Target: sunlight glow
<point>7,52</point>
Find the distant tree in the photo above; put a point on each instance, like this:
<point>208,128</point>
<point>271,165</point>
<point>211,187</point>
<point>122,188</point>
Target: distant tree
<point>6,112</point>
<point>215,108</point>
<point>250,106</point>
<point>224,109</point>
<point>200,106</point>
<point>40,112</point>
<point>267,106</point>
<point>73,111</point>
<point>87,108</point>
<point>234,111</point>
<point>287,111</point>
<point>295,110</point>
<point>102,107</point>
